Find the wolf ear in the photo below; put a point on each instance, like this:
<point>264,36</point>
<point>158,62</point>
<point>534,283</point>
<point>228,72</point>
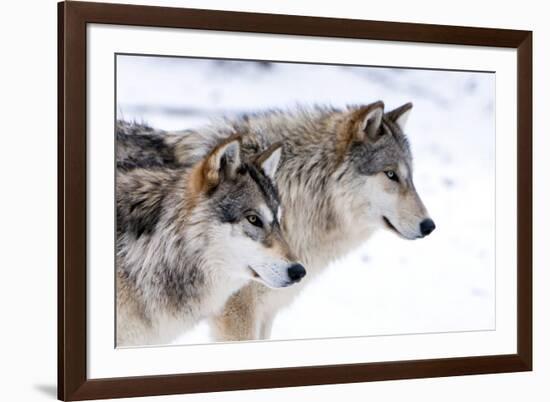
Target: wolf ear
<point>400,115</point>
<point>222,162</point>
<point>268,160</point>
<point>370,121</point>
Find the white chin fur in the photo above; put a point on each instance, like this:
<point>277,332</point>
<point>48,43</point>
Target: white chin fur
<point>273,285</point>
<point>405,234</point>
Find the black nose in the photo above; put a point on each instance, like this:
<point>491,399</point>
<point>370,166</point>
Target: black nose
<point>427,226</point>
<point>296,272</point>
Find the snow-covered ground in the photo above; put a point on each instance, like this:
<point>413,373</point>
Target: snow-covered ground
<point>443,283</point>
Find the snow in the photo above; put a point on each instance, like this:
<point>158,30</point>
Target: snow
<point>443,283</point>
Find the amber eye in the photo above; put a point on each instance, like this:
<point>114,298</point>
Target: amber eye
<point>391,175</point>
<point>254,220</point>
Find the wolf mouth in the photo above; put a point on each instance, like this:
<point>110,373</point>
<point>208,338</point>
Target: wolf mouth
<point>254,273</point>
<point>390,226</point>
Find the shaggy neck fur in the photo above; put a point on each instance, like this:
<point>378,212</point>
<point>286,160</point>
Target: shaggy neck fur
<point>173,285</point>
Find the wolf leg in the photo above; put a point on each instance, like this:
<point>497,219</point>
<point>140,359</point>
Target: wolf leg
<point>239,319</point>
<point>266,326</point>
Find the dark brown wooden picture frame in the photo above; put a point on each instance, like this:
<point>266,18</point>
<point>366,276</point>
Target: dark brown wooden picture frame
<point>73,383</point>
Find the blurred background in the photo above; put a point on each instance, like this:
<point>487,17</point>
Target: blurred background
<point>389,286</point>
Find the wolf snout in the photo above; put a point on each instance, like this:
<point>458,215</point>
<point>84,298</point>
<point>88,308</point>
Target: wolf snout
<point>296,272</point>
<point>427,226</point>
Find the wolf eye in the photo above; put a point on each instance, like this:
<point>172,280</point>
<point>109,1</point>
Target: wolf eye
<point>391,175</point>
<point>254,220</point>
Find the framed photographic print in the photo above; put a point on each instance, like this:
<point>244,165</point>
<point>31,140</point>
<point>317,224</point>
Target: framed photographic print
<point>252,200</point>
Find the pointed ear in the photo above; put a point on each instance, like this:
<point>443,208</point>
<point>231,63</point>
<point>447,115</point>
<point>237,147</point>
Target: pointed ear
<point>400,115</point>
<point>359,125</point>
<point>370,119</point>
<point>222,162</point>
<point>268,160</point>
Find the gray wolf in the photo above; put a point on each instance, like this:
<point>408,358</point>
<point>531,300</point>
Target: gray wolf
<point>343,175</point>
<point>190,235</point>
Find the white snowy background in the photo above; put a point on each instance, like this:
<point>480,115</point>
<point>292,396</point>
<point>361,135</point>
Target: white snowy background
<point>389,286</point>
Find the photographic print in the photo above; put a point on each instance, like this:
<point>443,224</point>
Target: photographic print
<point>251,200</point>
<point>269,200</point>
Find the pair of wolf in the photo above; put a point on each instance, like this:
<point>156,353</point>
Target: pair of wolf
<point>218,223</point>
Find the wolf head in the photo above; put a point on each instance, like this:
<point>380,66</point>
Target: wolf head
<point>242,209</point>
<point>377,166</point>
